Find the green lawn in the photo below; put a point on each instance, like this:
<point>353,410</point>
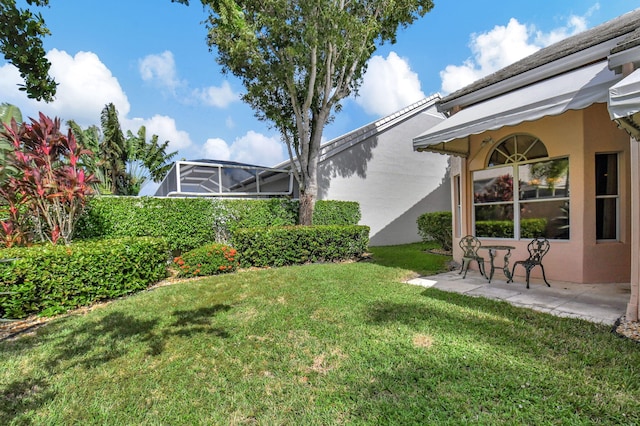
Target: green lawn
<point>318,344</point>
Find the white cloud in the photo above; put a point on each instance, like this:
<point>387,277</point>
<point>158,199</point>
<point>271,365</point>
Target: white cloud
<point>388,85</point>
<point>163,126</point>
<point>219,97</point>
<point>216,149</point>
<point>160,69</point>
<point>252,148</point>
<point>85,86</point>
<point>504,45</point>
<point>9,81</point>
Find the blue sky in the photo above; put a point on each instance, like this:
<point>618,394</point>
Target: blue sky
<point>149,58</point>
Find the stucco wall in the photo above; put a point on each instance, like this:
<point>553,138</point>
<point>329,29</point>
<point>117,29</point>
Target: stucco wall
<point>392,183</point>
<point>578,135</point>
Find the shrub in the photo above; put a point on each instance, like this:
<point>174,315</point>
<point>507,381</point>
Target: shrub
<point>331,212</point>
<point>185,223</point>
<point>289,245</point>
<point>532,228</point>
<point>529,228</point>
<point>44,181</point>
<point>49,279</point>
<point>188,223</point>
<point>494,228</point>
<point>209,259</point>
<point>436,226</point>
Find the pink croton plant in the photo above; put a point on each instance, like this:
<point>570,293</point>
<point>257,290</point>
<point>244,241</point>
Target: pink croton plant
<point>45,189</point>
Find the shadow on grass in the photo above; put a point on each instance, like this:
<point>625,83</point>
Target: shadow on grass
<point>89,345</point>
<point>191,322</point>
<point>484,358</point>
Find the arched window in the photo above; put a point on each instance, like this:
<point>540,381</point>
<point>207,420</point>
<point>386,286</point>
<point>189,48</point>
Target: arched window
<point>535,204</point>
<point>517,148</point>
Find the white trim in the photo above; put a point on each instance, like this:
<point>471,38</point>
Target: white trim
<point>573,90</point>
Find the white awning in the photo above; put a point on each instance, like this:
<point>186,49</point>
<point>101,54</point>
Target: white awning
<point>624,103</point>
<point>573,90</point>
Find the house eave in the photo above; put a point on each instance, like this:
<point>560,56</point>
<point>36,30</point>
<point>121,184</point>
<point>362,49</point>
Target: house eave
<point>534,75</point>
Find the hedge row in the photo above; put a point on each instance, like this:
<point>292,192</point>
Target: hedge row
<point>529,228</point>
<point>289,245</point>
<point>51,279</point>
<point>188,223</point>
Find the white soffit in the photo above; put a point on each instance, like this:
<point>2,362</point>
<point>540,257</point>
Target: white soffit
<point>573,90</point>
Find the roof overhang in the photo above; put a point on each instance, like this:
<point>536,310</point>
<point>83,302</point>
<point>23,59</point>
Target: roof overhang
<point>573,90</point>
<point>624,104</point>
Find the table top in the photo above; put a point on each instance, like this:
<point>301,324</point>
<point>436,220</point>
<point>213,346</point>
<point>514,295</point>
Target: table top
<point>496,247</point>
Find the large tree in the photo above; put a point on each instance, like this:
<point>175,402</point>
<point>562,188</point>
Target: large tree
<point>21,33</point>
<point>298,59</point>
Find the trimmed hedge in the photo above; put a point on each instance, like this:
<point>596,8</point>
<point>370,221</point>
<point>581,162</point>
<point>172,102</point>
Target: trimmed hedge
<point>290,245</point>
<point>436,226</point>
<point>335,213</point>
<point>184,223</point>
<point>210,259</point>
<point>188,223</point>
<point>51,279</point>
<point>529,228</point>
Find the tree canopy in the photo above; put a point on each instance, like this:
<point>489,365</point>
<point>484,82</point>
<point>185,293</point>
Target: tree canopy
<point>21,33</point>
<point>297,60</point>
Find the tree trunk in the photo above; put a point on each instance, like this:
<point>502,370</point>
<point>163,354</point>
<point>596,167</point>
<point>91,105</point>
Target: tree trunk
<point>307,205</point>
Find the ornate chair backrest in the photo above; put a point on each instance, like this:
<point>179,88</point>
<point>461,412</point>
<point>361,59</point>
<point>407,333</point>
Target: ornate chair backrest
<point>470,246</point>
<point>538,247</point>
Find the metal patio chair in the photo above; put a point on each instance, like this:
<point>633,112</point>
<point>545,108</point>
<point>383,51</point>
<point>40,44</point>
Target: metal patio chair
<point>470,245</point>
<point>537,248</point>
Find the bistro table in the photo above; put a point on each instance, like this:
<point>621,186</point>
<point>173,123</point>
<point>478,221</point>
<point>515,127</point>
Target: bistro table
<point>493,252</point>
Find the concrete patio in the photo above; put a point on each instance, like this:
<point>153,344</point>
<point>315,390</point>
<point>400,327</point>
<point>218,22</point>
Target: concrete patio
<point>599,303</point>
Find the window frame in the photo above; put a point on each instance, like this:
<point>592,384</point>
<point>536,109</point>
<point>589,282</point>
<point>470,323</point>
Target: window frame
<point>516,202</point>
<point>615,196</point>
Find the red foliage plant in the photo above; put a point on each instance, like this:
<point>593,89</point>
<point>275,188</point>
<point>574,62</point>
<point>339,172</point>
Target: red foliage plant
<point>46,189</point>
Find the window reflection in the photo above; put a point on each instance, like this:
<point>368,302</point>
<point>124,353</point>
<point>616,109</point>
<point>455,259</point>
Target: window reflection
<point>538,200</point>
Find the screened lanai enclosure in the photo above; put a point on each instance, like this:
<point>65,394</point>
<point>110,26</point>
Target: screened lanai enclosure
<point>211,178</point>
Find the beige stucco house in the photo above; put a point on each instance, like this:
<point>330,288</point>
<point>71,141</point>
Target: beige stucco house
<point>546,147</point>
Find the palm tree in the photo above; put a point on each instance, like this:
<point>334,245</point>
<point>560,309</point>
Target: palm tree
<point>122,164</point>
<point>153,155</point>
<point>90,139</point>
<point>8,111</point>
<point>113,150</point>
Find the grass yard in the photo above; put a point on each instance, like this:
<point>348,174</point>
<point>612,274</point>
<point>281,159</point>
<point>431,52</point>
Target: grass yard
<point>318,344</point>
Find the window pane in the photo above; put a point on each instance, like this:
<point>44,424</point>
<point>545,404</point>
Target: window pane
<point>607,174</point>
<point>548,219</point>
<point>545,179</point>
<point>494,220</point>
<point>493,185</point>
<point>606,214</point>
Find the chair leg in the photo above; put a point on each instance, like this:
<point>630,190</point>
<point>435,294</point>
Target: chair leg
<point>481,268</point>
<point>544,277</point>
<point>528,275</point>
<point>513,270</point>
<point>464,267</point>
